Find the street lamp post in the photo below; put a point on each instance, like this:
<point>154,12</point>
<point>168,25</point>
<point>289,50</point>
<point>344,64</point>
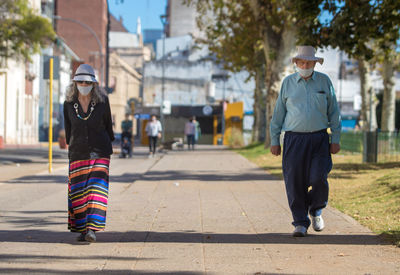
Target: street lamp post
<point>164,22</point>
<point>57,17</point>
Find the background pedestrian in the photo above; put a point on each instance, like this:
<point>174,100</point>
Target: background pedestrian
<point>154,132</point>
<point>190,131</point>
<point>126,136</point>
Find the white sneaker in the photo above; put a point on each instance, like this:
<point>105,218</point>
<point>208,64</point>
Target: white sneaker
<point>300,231</point>
<point>317,223</point>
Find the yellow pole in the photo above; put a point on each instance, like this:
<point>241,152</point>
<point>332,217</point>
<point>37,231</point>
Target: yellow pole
<point>51,116</point>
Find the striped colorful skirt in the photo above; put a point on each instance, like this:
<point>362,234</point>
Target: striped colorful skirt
<point>88,194</point>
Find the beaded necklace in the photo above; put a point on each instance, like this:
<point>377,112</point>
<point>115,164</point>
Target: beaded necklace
<point>91,110</point>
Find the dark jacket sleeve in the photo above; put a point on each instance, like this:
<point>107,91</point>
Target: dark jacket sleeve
<point>67,123</point>
<point>108,120</point>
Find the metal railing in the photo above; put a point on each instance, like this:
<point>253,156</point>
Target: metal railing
<point>387,144</point>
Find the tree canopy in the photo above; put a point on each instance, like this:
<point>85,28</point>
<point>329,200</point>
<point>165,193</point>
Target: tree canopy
<point>22,32</point>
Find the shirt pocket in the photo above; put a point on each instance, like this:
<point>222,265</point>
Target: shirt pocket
<point>320,102</point>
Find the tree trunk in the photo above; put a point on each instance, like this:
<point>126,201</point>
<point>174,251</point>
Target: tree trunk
<point>259,107</point>
<point>368,99</point>
<point>275,73</point>
<point>256,115</point>
<point>277,46</point>
<point>389,97</point>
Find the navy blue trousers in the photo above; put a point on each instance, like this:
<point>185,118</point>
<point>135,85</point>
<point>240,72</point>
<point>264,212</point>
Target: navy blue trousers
<point>306,164</point>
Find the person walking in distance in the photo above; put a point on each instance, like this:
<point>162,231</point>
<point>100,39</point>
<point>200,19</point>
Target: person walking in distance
<point>305,108</point>
<point>197,134</point>
<point>88,130</point>
<point>126,135</point>
<point>154,131</point>
<point>190,131</point>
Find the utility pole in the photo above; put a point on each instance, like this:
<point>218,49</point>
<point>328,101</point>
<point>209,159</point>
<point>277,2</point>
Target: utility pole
<point>164,21</point>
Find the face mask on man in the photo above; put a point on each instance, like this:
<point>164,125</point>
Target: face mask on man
<point>84,90</point>
<point>305,72</point>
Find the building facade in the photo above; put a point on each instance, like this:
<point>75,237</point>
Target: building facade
<point>83,27</point>
<point>19,97</point>
<point>125,82</point>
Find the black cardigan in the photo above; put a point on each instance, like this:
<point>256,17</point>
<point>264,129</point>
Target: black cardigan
<point>90,138</point>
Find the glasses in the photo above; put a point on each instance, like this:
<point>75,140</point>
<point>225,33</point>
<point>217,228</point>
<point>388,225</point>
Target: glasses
<point>84,82</point>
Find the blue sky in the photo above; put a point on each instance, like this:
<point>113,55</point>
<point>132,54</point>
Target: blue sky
<point>149,12</point>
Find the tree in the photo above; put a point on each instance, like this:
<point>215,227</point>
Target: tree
<point>235,32</point>
<point>363,30</point>
<point>274,27</point>
<point>388,56</point>
<point>22,32</point>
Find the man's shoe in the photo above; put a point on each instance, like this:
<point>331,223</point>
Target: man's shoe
<point>317,223</point>
<point>90,236</point>
<point>300,231</point>
<point>81,238</point>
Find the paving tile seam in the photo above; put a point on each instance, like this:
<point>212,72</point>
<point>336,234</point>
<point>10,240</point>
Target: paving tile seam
<point>150,228</point>
<point>253,227</point>
<point>142,176</point>
<point>203,250</point>
<point>278,202</point>
<point>119,243</point>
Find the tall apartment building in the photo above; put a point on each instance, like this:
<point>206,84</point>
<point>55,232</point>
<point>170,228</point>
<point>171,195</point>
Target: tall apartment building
<point>181,19</point>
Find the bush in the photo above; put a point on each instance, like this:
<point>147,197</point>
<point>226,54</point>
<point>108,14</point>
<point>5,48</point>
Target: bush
<point>235,140</point>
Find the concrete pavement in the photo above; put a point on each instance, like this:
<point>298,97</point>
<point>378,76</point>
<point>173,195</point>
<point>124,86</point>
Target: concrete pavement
<point>204,212</point>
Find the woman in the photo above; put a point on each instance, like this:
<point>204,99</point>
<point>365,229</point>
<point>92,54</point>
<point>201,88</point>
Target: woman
<point>88,130</point>
<point>154,131</point>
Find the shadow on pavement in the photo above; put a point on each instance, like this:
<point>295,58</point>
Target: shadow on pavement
<point>43,236</point>
<point>172,175</point>
<point>125,178</point>
<point>107,271</point>
<point>34,152</point>
<point>39,179</point>
<point>46,218</point>
<point>23,258</point>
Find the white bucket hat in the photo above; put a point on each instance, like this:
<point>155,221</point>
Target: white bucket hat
<point>307,53</point>
<point>85,72</point>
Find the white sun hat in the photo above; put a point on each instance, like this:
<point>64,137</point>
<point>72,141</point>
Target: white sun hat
<point>307,53</point>
<point>85,72</point>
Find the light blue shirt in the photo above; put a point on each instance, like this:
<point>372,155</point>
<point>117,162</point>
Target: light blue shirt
<point>306,106</point>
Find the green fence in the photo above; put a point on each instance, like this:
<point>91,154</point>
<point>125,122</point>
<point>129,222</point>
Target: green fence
<point>352,142</point>
<point>388,145</point>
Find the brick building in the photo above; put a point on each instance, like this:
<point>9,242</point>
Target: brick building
<point>76,18</point>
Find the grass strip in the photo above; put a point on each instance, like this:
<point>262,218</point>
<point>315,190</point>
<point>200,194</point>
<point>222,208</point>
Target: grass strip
<point>370,193</point>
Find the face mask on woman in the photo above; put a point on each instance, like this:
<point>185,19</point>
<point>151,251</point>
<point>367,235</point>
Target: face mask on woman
<point>305,72</point>
<point>84,90</point>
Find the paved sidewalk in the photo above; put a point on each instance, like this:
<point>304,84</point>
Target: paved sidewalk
<point>204,212</point>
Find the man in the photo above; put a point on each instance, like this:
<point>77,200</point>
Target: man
<point>126,126</point>
<point>190,131</point>
<point>305,108</point>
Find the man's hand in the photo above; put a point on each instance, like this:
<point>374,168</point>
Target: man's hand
<point>276,150</point>
<point>334,148</point>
